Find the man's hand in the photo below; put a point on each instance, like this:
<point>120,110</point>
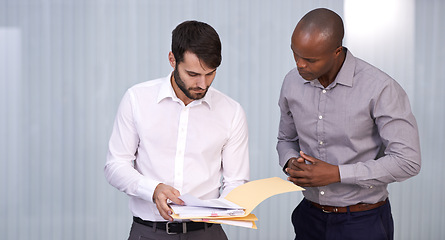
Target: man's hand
<point>316,174</point>
<point>162,193</point>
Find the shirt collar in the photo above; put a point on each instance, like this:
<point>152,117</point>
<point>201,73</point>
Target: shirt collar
<point>344,77</point>
<point>346,74</point>
<point>166,92</point>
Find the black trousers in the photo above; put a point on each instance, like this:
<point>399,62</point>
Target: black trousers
<point>312,223</point>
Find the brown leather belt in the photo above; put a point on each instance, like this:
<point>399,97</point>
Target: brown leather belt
<point>353,208</point>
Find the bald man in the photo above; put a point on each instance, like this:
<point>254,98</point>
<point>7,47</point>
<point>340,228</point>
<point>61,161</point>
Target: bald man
<point>346,131</point>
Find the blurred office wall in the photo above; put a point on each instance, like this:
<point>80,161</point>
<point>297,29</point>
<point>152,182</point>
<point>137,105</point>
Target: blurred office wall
<point>64,66</point>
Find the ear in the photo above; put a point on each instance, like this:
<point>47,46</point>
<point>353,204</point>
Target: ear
<point>171,59</point>
<point>338,50</point>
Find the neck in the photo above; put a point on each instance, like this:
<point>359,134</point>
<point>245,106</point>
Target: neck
<point>330,77</point>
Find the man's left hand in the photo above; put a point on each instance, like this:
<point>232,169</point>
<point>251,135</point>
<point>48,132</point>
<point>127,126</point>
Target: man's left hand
<point>315,174</point>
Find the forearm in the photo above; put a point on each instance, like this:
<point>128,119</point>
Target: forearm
<point>122,175</point>
<point>236,168</point>
<point>287,150</point>
<point>235,156</point>
<point>288,141</point>
<point>379,172</point>
<point>398,133</point>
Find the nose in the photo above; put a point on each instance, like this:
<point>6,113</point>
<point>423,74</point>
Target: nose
<point>201,82</point>
<point>300,62</point>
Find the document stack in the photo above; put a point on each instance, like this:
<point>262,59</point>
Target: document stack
<point>235,209</point>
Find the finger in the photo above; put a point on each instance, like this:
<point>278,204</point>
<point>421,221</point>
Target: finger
<point>296,173</point>
<point>292,179</point>
<point>290,162</point>
<point>300,160</point>
<point>307,157</point>
<point>162,204</point>
<point>164,210</point>
<point>173,195</point>
<point>298,181</point>
<point>299,166</point>
<point>166,215</point>
<point>176,200</point>
<point>294,164</point>
<point>297,162</point>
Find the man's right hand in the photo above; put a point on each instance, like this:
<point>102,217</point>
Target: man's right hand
<point>162,193</point>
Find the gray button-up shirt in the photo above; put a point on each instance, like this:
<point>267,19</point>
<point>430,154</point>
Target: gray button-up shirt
<point>361,122</point>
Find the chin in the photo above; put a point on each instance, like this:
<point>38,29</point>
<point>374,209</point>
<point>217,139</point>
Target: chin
<point>307,78</point>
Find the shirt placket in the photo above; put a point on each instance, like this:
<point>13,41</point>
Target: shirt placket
<point>321,142</point>
<point>180,149</point>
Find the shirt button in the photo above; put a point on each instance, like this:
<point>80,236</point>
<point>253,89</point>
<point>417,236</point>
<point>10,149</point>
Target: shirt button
<point>322,192</point>
<point>321,142</point>
<point>324,91</point>
<point>320,117</point>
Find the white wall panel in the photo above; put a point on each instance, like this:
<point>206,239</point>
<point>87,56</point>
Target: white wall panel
<point>65,64</point>
<point>10,89</point>
<point>426,220</point>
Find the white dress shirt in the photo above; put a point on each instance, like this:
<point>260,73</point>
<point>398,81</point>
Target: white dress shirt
<point>157,139</point>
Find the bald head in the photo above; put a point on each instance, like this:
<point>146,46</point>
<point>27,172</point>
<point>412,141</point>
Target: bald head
<point>317,45</point>
<point>321,25</point>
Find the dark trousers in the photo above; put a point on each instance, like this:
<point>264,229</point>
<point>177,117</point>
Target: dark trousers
<point>312,223</point>
<point>142,232</point>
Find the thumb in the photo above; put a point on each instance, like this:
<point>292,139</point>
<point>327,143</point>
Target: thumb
<point>174,197</point>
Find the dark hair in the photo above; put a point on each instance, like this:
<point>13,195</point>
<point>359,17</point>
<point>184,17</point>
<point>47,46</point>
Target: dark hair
<point>198,38</point>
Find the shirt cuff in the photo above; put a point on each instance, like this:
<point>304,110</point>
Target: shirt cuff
<point>347,174</point>
<point>289,155</point>
<point>146,188</point>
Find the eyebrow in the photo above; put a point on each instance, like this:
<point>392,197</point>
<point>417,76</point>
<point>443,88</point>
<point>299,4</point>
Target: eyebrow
<point>192,72</point>
<point>306,58</point>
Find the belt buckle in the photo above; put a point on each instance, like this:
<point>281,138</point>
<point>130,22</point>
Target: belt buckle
<point>325,211</point>
<point>167,228</point>
<point>335,210</point>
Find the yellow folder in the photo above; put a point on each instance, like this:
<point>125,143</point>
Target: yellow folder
<point>249,196</point>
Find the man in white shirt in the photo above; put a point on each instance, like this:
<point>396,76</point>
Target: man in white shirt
<point>177,135</point>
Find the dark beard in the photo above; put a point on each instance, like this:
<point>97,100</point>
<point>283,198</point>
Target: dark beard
<point>182,86</point>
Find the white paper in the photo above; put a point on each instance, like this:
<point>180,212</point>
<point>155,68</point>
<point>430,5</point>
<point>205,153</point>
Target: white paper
<point>190,200</point>
<point>195,208</point>
<point>194,212</point>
